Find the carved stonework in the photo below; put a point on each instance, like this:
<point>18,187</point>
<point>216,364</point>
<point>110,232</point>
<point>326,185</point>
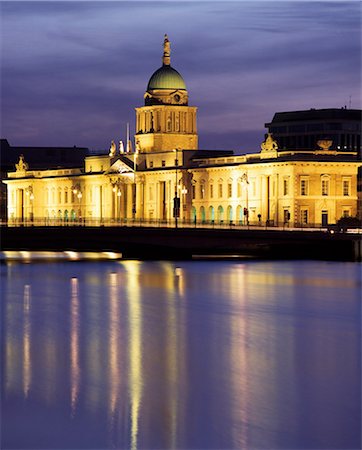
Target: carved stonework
<point>112,150</point>
<point>269,144</point>
<point>21,166</point>
<point>325,144</point>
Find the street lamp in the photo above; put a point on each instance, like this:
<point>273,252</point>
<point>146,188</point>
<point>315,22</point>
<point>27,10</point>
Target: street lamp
<point>176,200</point>
<point>116,189</point>
<point>29,193</point>
<point>244,178</point>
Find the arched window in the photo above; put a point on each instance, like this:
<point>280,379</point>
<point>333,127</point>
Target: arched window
<point>230,213</point>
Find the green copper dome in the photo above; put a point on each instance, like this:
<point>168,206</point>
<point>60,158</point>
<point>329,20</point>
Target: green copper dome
<point>166,78</point>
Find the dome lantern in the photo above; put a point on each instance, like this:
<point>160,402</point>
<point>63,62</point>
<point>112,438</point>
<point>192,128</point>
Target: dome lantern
<point>166,85</point>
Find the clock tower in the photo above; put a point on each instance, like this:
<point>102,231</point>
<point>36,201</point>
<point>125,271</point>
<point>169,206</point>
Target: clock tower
<point>166,121</point>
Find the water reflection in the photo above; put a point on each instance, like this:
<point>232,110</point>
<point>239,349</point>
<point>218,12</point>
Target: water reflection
<point>186,355</point>
<point>26,342</point>
<point>74,345</point>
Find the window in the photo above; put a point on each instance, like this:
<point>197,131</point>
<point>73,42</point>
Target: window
<point>346,186</point>
<point>285,186</point>
<point>151,164</point>
<point>193,192</point>
<point>202,191</point>
<point>66,196</point>
<point>211,191</point>
<point>346,213</point>
<point>325,186</point>
<point>59,196</point>
<point>304,216</point>
<point>163,163</point>
<point>176,162</point>
<point>220,190</point>
<point>230,190</point>
<point>303,187</point>
<point>239,189</point>
<point>150,193</point>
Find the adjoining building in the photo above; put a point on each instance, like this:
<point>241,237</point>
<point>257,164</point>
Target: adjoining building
<point>167,178</point>
<point>37,158</point>
<point>303,129</point>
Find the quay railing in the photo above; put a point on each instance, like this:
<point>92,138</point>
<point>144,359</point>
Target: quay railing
<point>159,223</point>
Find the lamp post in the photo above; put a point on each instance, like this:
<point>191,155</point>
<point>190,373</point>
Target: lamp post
<point>76,191</point>
<point>29,193</point>
<point>244,178</point>
<point>176,200</point>
<point>116,189</point>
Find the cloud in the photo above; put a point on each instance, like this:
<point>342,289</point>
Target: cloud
<point>84,66</point>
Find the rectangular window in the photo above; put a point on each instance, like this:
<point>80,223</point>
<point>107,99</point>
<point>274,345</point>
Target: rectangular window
<point>346,191</point>
<point>230,190</point>
<point>150,193</point>
<point>304,216</point>
<point>151,164</point>
<point>239,189</point>
<point>193,192</point>
<point>346,213</point>
<point>285,187</point>
<point>325,187</point>
<point>59,196</point>
<point>211,191</point>
<point>66,196</point>
<point>163,163</point>
<point>304,187</point>
<point>220,190</point>
<point>202,191</point>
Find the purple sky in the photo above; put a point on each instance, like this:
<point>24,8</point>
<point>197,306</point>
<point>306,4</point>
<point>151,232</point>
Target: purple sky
<point>73,72</point>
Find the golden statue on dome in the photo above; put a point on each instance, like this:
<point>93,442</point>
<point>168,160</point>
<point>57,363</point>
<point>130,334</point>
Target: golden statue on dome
<point>166,59</point>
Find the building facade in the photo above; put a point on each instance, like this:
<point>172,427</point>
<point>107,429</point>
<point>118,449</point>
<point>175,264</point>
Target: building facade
<point>167,178</point>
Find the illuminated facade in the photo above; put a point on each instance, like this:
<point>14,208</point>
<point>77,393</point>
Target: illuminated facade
<point>166,175</point>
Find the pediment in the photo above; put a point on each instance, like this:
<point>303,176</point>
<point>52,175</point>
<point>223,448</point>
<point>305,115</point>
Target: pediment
<point>120,167</point>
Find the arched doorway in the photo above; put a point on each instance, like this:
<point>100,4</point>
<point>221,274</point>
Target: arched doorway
<point>220,214</point>
<point>193,214</point>
<point>230,213</point>
<point>211,214</point>
<point>239,214</point>
<point>202,214</point>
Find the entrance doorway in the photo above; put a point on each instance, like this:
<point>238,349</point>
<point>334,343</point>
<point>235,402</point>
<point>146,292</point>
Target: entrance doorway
<point>324,218</point>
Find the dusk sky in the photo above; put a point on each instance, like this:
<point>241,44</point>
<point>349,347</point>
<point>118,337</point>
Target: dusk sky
<point>73,72</point>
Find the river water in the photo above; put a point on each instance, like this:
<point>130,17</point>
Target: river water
<point>181,355</point>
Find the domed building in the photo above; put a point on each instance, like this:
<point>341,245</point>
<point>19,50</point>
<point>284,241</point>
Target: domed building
<point>167,179</point>
<point>166,121</point>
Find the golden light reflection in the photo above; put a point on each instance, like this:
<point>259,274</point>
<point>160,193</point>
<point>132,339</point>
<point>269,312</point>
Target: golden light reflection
<point>180,281</point>
<point>74,345</point>
<point>26,341</point>
<point>172,357</point>
<point>135,351</point>
<point>239,364</point>
<point>114,347</point>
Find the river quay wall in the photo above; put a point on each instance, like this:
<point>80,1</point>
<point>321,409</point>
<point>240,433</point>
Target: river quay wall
<point>186,243</point>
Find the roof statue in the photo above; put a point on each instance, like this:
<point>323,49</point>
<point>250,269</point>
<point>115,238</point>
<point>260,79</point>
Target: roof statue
<point>269,144</point>
<point>112,149</point>
<point>121,147</point>
<point>166,59</point>
<point>325,144</point>
<point>21,166</point>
